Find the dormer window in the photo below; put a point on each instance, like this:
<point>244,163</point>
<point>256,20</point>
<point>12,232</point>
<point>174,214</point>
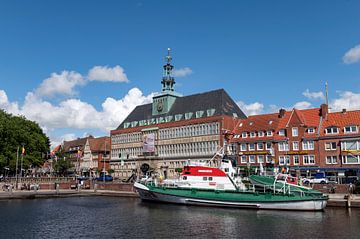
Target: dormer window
<point>244,134</point>
<point>261,133</point>
<point>252,135</point>
<point>311,130</point>
<point>350,129</point>
<point>282,132</point>
<point>269,133</point>
<point>332,130</point>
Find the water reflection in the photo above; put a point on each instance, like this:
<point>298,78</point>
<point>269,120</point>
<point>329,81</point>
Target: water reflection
<point>99,217</point>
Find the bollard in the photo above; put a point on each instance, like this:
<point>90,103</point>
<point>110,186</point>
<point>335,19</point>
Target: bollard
<point>10,190</point>
<point>95,188</point>
<point>57,188</point>
<point>348,201</point>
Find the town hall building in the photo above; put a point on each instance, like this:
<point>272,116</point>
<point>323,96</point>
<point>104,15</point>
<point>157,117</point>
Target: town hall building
<point>163,135</point>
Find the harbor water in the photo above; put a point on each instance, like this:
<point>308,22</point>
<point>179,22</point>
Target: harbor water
<point>115,217</point>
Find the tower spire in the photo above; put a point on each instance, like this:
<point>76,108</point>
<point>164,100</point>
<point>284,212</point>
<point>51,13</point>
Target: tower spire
<point>168,80</point>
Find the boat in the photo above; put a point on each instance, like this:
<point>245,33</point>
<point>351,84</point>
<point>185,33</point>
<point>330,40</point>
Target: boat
<point>280,182</point>
<point>209,185</point>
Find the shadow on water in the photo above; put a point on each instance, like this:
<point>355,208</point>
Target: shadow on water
<point>109,217</point>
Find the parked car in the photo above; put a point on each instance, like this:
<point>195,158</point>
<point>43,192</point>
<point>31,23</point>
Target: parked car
<point>106,178</point>
<point>319,178</point>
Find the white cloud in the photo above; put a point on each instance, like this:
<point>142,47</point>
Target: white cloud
<point>3,98</point>
<point>60,84</point>
<point>314,95</point>
<point>348,100</point>
<point>182,72</point>
<point>104,73</point>
<point>302,105</point>
<point>251,109</point>
<point>352,55</point>
<point>74,113</point>
<point>11,107</point>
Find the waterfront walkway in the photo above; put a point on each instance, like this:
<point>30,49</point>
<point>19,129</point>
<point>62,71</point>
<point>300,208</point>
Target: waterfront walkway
<point>335,200</point>
<point>63,193</point>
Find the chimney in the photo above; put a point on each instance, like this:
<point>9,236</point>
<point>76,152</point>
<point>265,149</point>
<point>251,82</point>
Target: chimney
<point>324,110</point>
<point>281,113</point>
<point>344,111</point>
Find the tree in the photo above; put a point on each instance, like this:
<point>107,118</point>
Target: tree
<point>62,167</point>
<point>16,131</point>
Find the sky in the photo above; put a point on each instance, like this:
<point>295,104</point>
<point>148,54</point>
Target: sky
<point>80,67</point>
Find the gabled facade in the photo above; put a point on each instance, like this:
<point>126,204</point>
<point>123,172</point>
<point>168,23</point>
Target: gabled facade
<point>95,157</point>
<point>303,140</point>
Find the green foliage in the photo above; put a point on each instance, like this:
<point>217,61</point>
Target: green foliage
<point>62,167</point>
<point>16,131</point>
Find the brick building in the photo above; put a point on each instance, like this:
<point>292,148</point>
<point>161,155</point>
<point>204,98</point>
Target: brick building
<point>88,154</point>
<point>164,134</point>
<point>304,141</point>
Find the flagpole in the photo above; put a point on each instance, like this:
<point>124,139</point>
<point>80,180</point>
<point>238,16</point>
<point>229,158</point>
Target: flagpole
<point>21,164</point>
<point>16,171</point>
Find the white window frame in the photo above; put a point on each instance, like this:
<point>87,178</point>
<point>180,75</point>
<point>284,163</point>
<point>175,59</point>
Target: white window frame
<point>268,158</point>
<point>267,146</point>
<point>331,130</point>
<point>311,130</point>
<point>251,148</point>
<point>260,148</point>
<point>350,145</point>
<point>330,159</point>
<point>308,145</point>
<point>252,134</point>
<point>284,160</point>
<point>260,159</point>
<point>350,129</point>
<point>242,148</point>
<point>293,145</point>
<point>269,133</point>
<point>282,132</point>
<point>296,162</point>
<point>345,159</point>
<point>243,159</point>
<point>283,146</point>
<point>331,146</point>
<point>295,131</point>
<point>261,134</point>
<point>308,159</point>
<point>244,135</point>
<point>252,159</point>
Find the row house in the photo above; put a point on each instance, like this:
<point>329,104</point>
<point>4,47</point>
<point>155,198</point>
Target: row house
<point>89,155</point>
<point>304,140</point>
<point>95,156</point>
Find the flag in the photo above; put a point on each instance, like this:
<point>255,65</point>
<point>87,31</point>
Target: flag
<point>79,154</point>
<point>23,151</point>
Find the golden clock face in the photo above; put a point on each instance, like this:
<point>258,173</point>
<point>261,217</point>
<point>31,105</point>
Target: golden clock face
<point>160,106</point>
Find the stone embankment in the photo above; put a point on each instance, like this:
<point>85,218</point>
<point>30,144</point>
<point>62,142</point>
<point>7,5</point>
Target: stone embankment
<point>126,190</point>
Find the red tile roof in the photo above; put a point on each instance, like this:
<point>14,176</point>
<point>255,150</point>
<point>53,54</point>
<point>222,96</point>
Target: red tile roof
<point>340,120</point>
<point>98,144</point>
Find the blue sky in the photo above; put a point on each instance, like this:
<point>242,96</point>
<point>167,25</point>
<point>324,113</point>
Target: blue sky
<point>79,67</point>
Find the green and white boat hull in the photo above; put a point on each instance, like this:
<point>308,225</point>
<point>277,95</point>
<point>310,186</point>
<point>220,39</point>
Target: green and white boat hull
<point>230,198</point>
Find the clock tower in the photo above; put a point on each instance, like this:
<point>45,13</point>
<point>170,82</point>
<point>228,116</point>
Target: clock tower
<point>163,102</point>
